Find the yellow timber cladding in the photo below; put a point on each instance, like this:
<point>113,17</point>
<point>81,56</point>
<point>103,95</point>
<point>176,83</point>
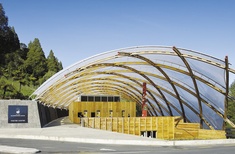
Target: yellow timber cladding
<point>157,127</point>
<point>121,117</point>
<point>101,109</point>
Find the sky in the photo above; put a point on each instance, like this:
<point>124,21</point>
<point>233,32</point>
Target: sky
<point>78,29</point>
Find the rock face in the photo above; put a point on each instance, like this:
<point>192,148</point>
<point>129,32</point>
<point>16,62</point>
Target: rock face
<point>19,114</point>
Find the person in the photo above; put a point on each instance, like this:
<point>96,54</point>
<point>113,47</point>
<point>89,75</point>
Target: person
<point>81,116</point>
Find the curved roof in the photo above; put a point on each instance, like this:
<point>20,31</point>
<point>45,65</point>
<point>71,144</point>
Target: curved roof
<point>179,82</point>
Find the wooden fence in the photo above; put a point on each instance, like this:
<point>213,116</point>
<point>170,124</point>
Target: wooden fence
<point>157,127</point>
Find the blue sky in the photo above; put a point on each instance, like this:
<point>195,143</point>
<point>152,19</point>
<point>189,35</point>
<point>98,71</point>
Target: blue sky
<point>77,29</point>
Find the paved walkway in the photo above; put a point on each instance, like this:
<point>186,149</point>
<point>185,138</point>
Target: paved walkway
<point>64,130</point>
<point>11,149</point>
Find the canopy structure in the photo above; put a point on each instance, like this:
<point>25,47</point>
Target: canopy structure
<point>179,82</point>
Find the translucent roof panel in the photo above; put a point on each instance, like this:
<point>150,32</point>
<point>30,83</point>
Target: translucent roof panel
<point>179,82</point>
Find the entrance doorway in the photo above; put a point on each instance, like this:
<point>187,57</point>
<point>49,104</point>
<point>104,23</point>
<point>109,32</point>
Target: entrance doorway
<point>92,114</point>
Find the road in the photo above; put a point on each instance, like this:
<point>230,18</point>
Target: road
<point>56,147</point>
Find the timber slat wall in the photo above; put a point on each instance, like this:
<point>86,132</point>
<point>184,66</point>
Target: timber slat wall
<point>165,127</point>
<point>127,125</point>
<point>211,134</point>
<point>187,130</point>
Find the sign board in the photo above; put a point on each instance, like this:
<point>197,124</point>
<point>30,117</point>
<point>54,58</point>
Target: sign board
<point>17,114</point>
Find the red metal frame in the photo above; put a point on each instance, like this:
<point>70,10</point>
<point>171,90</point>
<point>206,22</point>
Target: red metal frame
<point>144,105</point>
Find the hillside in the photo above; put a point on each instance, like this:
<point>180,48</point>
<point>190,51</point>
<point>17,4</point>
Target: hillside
<point>22,68</point>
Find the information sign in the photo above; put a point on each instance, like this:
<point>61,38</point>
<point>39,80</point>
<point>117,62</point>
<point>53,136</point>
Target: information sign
<point>17,114</point>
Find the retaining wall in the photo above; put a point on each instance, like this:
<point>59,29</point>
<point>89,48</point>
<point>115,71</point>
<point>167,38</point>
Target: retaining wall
<point>33,120</point>
<point>48,114</point>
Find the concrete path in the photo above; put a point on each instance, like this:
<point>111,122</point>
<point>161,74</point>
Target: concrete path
<point>10,149</point>
<point>64,130</point>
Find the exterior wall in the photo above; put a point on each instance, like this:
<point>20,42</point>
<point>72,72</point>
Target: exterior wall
<point>101,109</point>
<point>33,115</point>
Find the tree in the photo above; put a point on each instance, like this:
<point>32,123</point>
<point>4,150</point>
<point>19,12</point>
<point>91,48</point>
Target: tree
<point>231,103</point>
<point>46,76</point>
<point>14,43</point>
<point>6,87</point>
<point>3,86</point>
<point>35,63</point>
<point>14,62</point>
<point>9,41</point>
<point>232,89</point>
<point>60,66</point>
<point>3,21</point>
<point>20,76</point>
<point>52,62</point>
<point>53,65</point>
<point>23,51</point>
